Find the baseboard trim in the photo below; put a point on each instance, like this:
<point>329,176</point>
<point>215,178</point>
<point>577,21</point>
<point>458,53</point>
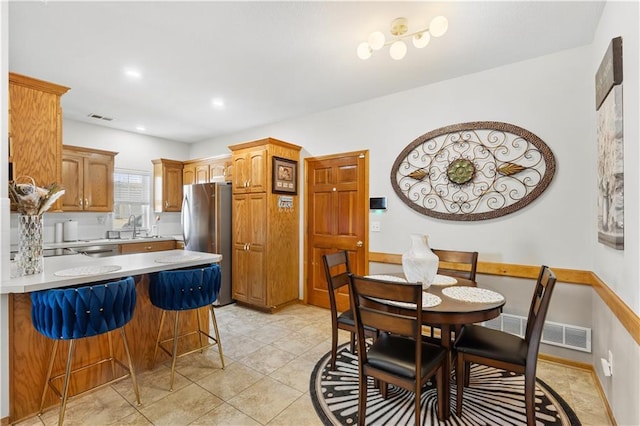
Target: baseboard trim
<point>594,376</point>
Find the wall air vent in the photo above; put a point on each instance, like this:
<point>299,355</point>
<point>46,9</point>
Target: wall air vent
<point>553,333</point>
<point>99,117</point>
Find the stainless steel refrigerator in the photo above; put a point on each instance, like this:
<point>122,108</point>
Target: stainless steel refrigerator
<point>206,226</point>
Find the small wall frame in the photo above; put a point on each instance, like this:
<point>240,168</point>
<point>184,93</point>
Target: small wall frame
<point>285,176</point>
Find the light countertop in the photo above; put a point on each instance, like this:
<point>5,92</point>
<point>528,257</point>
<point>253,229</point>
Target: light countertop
<point>63,271</point>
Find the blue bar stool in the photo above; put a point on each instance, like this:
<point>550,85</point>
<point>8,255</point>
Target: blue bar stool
<point>79,312</point>
<point>182,290</point>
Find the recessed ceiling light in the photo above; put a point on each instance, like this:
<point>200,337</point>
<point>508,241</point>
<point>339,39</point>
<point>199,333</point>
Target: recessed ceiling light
<point>133,73</point>
<point>140,128</point>
<point>217,103</point>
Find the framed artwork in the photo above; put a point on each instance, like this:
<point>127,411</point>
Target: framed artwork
<point>473,171</point>
<point>610,195</point>
<point>285,176</point>
<point>610,71</point>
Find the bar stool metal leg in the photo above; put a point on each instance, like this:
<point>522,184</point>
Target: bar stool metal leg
<point>215,329</point>
<point>175,351</point>
<point>52,358</point>
<point>155,351</point>
<point>65,387</point>
<point>131,370</point>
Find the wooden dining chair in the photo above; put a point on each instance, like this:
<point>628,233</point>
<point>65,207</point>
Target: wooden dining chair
<point>506,351</point>
<point>467,258</point>
<point>446,261</point>
<point>398,356</point>
<point>337,270</point>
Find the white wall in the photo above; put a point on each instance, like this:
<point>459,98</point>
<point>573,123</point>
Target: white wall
<point>621,269</point>
<point>551,96</point>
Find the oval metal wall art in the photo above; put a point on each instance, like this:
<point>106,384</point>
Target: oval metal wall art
<point>473,171</point>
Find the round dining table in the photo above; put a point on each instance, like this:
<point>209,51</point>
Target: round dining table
<point>451,314</point>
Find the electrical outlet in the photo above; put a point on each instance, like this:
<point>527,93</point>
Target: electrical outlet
<point>375,226</point>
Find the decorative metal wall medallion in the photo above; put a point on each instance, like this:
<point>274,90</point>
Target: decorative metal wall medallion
<point>473,171</point>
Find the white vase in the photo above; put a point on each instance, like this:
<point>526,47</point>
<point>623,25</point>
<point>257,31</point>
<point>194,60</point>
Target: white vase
<point>419,263</point>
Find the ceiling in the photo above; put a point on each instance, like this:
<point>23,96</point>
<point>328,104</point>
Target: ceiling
<point>269,61</point>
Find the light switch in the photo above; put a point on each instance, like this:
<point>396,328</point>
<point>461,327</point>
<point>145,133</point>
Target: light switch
<point>375,226</point>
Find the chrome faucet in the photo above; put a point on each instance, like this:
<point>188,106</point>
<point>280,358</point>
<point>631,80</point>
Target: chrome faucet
<point>133,216</point>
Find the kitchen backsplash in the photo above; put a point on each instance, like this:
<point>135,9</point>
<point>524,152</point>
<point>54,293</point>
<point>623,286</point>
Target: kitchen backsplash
<point>93,226</point>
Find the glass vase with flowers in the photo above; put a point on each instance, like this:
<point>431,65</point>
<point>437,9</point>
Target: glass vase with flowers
<point>31,201</point>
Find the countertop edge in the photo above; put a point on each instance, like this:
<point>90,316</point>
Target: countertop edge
<point>131,265</point>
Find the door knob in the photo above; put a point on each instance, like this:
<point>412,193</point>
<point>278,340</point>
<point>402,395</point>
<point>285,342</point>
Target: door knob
<point>359,244</point>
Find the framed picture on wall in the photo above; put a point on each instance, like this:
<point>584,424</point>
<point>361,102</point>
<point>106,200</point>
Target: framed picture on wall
<point>610,147</point>
<point>285,176</point>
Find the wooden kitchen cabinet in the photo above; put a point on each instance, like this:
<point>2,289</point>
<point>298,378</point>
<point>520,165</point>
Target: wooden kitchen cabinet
<point>265,228</point>
<point>35,129</point>
<point>203,170</point>
<point>250,170</point>
<point>87,177</point>
<point>167,185</point>
<point>188,173</point>
<point>147,246</point>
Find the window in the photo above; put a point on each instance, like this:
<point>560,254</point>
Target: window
<point>131,197</point>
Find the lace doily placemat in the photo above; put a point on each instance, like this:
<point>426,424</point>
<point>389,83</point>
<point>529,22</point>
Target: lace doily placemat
<point>428,301</point>
<point>473,294</point>
<point>87,270</point>
<point>176,258</point>
<point>444,280</point>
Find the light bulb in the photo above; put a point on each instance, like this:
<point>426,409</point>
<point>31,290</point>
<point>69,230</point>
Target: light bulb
<point>364,50</point>
<point>420,40</point>
<point>376,40</point>
<point>398,50</point>
<point>438,26</point>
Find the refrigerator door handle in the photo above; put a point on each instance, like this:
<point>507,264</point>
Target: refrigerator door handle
<point>186,217</point>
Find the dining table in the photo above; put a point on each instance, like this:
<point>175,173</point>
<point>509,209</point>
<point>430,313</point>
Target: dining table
<point>452,302</point>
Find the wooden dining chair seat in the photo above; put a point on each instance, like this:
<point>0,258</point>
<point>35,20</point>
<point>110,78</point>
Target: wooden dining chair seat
<point>505,351</point>
<point>337,270</point>
<point>398,356</point>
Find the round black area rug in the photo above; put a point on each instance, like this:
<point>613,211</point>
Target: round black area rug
<point>495,397</point>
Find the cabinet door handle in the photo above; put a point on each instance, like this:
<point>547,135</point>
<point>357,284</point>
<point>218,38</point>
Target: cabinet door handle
<point>148,247</point>
<point>86,202</point>
<point>166,204</point>
<point>80,202</point>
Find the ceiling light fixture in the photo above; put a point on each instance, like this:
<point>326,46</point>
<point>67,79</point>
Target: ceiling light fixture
<point>217,103</point>
<point>399,30</point>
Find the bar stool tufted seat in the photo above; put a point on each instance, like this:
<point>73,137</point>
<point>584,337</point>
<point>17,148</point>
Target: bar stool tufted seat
<point>182,290</point>
<point>80,312</point>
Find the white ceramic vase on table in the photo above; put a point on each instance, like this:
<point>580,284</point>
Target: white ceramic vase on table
<point>419,263</point>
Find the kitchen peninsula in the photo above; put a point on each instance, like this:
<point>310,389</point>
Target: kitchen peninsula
<point>29,350</point>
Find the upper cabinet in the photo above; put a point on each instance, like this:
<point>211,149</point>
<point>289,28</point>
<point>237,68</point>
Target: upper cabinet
<point>35,129</point>
<point>249,170</point>
<point>167,185</point>
<point>87,177</point>
<point>203,170</point>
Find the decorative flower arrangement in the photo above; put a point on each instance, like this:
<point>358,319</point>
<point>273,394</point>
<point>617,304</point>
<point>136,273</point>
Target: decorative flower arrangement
<point>34,200</point>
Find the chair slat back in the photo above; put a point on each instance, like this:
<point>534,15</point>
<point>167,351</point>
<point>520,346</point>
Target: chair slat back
<point>336,269</point>
<point>370,312</point>
<point>470,259</point>
<point>539,307</point>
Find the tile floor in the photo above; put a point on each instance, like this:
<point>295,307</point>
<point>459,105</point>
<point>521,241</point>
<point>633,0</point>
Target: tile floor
<point>268,362</point>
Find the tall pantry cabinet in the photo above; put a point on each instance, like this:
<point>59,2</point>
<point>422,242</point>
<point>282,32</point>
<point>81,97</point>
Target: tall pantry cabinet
<point>266,230</point>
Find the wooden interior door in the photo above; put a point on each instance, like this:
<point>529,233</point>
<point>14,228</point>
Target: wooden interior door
<point>337,196</point>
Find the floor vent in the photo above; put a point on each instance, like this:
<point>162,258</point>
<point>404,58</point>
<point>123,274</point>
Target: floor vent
<point>553,333</point>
